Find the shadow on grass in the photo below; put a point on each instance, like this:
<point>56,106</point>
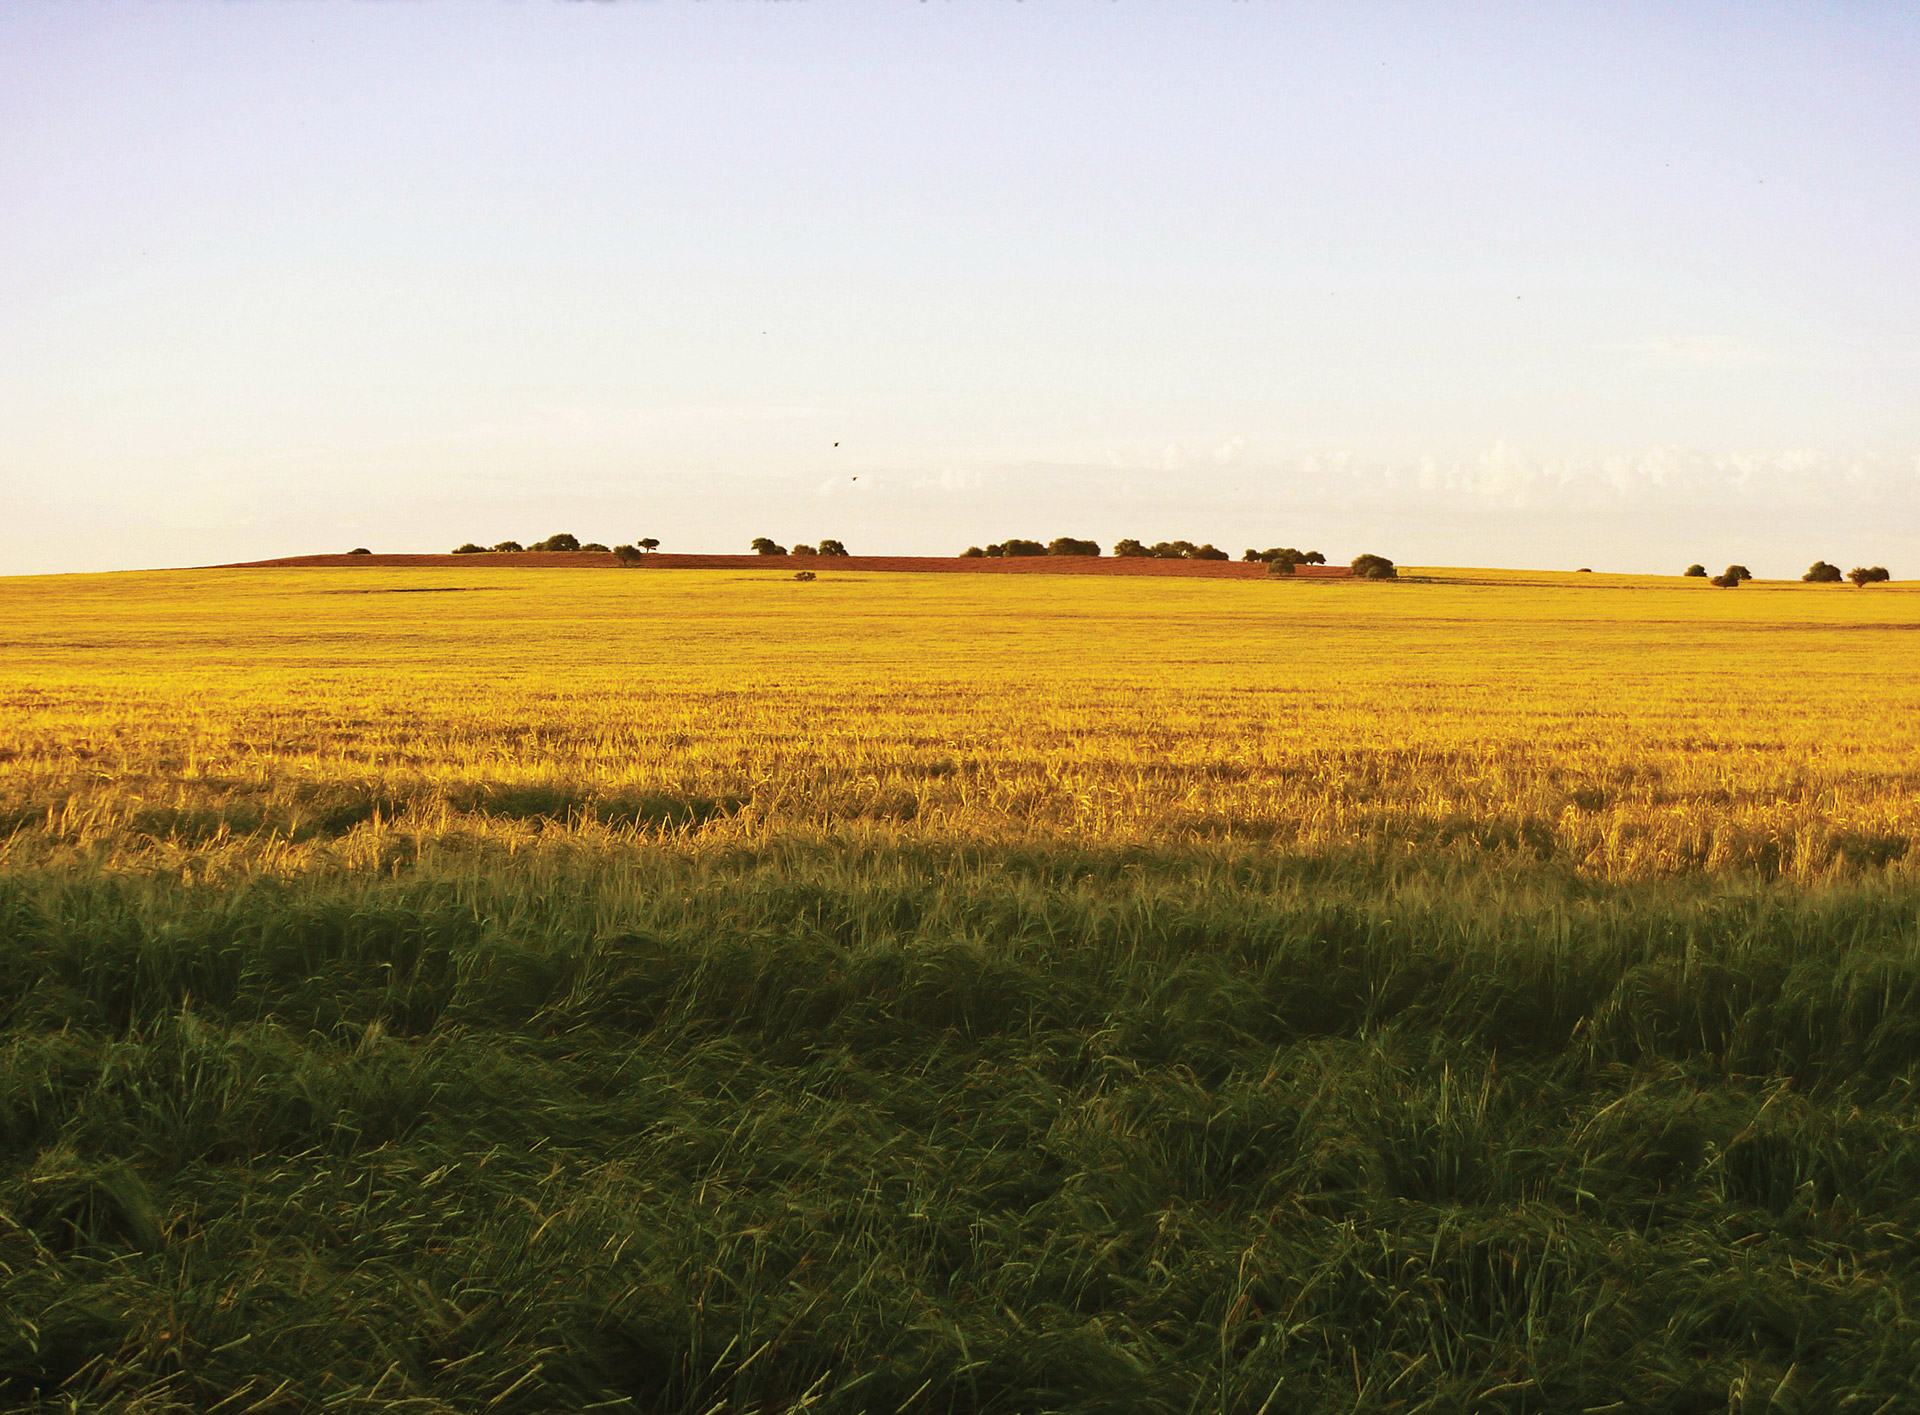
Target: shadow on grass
<point>647,811</point>
<point>328,811</point>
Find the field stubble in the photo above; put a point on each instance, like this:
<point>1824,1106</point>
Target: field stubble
<point>699,991</point>
<point>1629,730</point>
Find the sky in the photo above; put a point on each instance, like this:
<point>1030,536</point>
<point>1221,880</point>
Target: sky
<point>1540,285</point>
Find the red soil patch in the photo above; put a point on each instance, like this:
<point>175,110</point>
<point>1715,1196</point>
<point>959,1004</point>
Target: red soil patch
<point>596,560</point>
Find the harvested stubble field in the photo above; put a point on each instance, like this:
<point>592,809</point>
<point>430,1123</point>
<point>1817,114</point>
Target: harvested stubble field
<point>525,990</point>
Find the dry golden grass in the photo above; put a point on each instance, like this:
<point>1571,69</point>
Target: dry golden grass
<point>524,990</point>
<point>293,720</point>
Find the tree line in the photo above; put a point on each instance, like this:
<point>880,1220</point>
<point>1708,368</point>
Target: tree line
<point>763,545</point>
<point>645,545</point>
<point>562,541</point>
<point>1820,572</point>
<point>1123,550</point>
<point>1279,560</point>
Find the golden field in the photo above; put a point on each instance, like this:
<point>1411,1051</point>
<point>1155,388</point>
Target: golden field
<point>701,993</point>
<point>292,720</point>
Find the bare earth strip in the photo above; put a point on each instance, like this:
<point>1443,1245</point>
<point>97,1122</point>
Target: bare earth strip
<point>598,560</point>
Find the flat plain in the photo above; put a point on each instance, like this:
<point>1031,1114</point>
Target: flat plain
<point>455,989</point>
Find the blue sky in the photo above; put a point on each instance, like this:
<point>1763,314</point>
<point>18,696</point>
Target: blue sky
<point>1539,285</point>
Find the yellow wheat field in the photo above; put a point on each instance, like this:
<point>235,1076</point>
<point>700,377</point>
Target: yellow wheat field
<point>291,720</point>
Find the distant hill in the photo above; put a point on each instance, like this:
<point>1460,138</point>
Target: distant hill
<point>946,565</point>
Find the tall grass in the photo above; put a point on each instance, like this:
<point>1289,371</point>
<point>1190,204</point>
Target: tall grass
<point>857,1128</point>
<point>466,1010</point>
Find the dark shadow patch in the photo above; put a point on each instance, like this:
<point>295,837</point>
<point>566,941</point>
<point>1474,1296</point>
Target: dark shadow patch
<point>555,803</point>
<point>196,825</point>
<point>663,812</point>
<point>429,589</point>
<point>1529,835</point>
<point>317,812</point>
<point>330,811</point>
<point>569,806</point>
<point>1247,828</point>
<point>1865,850</point>
<point>15,818</point>
<point>889,806</point>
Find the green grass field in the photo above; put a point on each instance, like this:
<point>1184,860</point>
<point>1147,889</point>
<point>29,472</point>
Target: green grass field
<point>698,992</point>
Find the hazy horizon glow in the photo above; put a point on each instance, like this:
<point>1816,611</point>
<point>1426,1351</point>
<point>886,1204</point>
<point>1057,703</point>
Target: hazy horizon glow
<point>1613,285</point>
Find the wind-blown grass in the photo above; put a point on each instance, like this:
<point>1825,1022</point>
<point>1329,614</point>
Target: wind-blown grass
<point>863,1129</point>
<point>370,1042</point>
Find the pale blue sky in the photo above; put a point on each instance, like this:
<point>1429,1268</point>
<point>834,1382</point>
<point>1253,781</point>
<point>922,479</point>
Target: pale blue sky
<point>1615,285</point>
